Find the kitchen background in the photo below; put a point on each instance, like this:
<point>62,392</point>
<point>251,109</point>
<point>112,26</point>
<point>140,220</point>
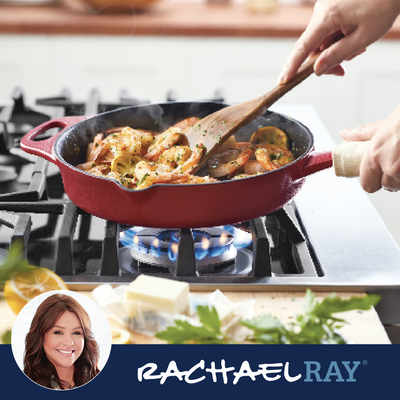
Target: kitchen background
<point>234,63</point>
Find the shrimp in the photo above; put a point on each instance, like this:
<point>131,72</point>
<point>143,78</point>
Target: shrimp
<point>100,170</point>
<point>253,167</point>
<point>86,166</point>
<point>272,157</point>
<point>229,162</point>
<point>145,136</point>
<point>192,162</point>
<point>99,148</point>
<point>138,158</point>
<point>125,142</point>
<point>118,142</point>
<point>162,142</point>
<point>92,150</point>
<point>174,156</point>
<point>148,173</point>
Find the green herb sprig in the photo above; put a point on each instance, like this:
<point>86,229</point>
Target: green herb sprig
<point>318,324</point>
<point>15,262</point>
<point>6,337</point>
<point>208,333</point>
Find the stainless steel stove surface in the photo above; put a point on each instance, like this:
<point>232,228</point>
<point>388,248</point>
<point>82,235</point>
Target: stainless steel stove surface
<point>329,239</point>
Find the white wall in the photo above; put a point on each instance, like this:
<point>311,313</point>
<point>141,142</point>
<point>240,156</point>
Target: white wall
<point>195,67</point>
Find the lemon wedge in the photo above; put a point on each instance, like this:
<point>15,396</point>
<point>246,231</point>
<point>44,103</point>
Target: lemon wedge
<point>270,135</point>
<point>120,336</point>
<point>125,164</point>
<point>24,286</point>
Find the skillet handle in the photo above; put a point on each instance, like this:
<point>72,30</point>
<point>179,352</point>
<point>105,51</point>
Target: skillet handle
<point>44,148</point>
<point>317,161</point>
<point>347,158</point>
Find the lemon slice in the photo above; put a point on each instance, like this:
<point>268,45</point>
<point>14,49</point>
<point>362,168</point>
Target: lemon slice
<point>24,286</point>
<point>120,336</point>
<point>125,164</point>
<point>270,135</point>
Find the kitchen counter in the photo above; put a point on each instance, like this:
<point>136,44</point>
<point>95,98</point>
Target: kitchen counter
<point>162,18</point>
<point>361,328</point>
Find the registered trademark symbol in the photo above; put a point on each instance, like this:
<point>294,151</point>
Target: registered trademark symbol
<point>365,362</point>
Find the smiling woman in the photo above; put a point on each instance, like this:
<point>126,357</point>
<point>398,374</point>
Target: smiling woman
<point>60,349</point>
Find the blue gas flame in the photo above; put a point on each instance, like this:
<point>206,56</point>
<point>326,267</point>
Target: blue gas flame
<point>242,239</point>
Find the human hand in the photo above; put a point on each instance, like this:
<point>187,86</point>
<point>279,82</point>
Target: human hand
<point>380,166</point>
<point>341,29</point>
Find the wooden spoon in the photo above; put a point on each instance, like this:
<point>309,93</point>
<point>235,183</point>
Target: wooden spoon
<point>213,130</point>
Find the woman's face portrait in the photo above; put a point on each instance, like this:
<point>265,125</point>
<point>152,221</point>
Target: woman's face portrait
<point>61,340</point>
<point>64,342</point>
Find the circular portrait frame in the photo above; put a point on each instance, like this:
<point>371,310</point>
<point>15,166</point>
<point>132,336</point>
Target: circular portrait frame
<point>99,326</point>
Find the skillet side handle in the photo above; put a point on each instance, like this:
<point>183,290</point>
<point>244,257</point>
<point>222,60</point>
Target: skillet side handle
<point>347,158</point>
<point>317,161</point>
<point>44,148</point>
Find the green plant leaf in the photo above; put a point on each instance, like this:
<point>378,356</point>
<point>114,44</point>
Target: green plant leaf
<point>15,262</point>
<point>209,331</point>
<point>6,337</point>
<point>209,318</point>
<point>317,325</point>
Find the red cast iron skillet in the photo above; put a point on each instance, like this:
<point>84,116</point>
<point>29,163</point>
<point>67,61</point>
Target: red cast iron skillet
<point>174,206</point>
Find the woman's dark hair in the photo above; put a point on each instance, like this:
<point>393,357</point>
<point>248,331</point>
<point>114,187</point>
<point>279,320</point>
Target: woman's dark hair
<point>36,364</point>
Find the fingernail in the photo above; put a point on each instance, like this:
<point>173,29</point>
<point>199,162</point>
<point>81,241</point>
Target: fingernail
<point>281,79</point>
<point>320,68</point>
<point>344,133</point>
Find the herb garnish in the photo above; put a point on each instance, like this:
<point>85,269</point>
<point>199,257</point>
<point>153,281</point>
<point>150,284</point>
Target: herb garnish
<point>208,333</point>
<point>15,262</point>
<point>317,325</point>
<point>6,337</point>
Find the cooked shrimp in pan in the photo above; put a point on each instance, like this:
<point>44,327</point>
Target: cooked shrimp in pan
<point>182,158</point>
<point>272,157</point>
<point>99,148</point>
<point>175,156</point>
<point>138,158</point>
<point>192,162</point>
<point>162,142</point>
<point>125,142</point>
<point>253,167</point>
<point>147,173</point>
<point>229,162</point>
<point>117,142</point>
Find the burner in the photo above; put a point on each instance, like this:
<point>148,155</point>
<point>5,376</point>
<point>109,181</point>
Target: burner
<point>212,246</point>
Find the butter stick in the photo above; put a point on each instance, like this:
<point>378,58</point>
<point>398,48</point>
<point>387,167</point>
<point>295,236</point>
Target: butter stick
<point>165,294</point>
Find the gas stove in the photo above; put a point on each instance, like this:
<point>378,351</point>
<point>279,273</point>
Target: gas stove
<point>330,238</point>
